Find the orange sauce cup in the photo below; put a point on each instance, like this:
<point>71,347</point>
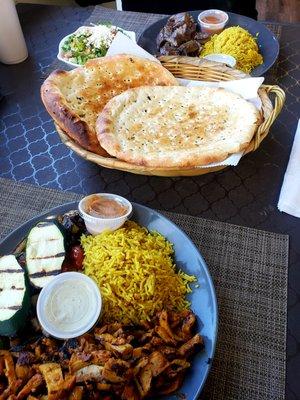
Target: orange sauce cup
<point>212,21</point>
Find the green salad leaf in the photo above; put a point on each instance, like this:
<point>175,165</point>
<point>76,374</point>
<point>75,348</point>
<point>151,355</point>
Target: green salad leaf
<point>77,49</point>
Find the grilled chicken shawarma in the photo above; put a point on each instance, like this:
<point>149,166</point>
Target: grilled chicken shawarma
<point>113,361</point>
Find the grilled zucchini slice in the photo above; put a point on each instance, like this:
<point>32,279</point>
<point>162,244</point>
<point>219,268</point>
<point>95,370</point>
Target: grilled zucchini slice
<point>45,253</point>
<point>14,296</point>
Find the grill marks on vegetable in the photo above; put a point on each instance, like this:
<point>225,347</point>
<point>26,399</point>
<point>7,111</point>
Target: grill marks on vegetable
<point>44,273</point>
<point>45,253</point>
<point>12,308</point>
<point>14,297</point>
<point>14,271</point>
<point>62,254</point>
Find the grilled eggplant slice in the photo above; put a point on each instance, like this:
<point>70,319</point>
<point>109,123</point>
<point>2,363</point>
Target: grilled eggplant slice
<point>14,296</point>
<point>45,253</point>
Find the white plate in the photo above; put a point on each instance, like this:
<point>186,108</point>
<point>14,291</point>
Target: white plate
<point>130,34</point>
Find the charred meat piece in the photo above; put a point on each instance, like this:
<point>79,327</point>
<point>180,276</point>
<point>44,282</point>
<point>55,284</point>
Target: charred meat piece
<point>201,37</point>
<point>116,345</point>
<point>158,363</point>
<point>188,323</point>
<point>189,347</point>
<point>100,357</point>
<point>73,225</point>
<point>26,358</point>
<point>89,373</point>
<point>57,386</point>
<point>116,371</point>
<point>9,367</point>
<point>31,386</point>
<point>168,351</point>
<point>124,351</point>
<point>104,387</point>
<point>87,343</point>
<point>67,348</point>
<point>171,386</point>
<point>179,36</point>
<point>184,18</point>
<point>141,364</point>
<point>190,48</point>
<point>139,352</point>
<point>130,393</point>
<point>76,394</point>
<point>180,28</point>
<point>52,374</point>
<point>167,49</point>
<point>163,333</point>
<point>24,372</point>
<point>147,369</point>
<point>143,380</point>
<point>78,361</point>
<point>176,366</point>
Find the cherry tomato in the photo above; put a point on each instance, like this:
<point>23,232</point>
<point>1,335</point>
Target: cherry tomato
<point>77,256</point>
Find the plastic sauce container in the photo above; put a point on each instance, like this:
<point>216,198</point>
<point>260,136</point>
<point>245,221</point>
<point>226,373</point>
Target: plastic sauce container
<point>104,211</point>
<point>212,21</point>
<point>69,305</point>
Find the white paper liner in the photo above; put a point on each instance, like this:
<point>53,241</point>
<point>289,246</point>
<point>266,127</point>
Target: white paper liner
<point>122,44</point>
<point>289,199</point>
<point>247,87</point>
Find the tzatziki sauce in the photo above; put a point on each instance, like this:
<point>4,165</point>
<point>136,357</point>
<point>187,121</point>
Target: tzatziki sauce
<point>69,305</point>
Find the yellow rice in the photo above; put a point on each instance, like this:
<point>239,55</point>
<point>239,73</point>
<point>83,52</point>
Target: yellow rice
<point>238,43</point>
<point>135,272</point>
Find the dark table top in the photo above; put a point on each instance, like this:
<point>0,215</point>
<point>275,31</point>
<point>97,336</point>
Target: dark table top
<point>247,195</point>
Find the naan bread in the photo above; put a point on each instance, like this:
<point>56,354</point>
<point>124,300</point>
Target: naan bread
<point>176,126</point>
<point>75,98</point>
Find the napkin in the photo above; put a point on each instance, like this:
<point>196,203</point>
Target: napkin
<point>289,199</point>
<point>122,44</point>
<point>247,87</point>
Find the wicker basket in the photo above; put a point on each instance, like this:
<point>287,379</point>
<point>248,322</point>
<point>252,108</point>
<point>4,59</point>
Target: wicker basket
<point>196,69</point>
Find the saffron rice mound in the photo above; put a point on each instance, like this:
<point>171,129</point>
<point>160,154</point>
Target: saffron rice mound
<point>136,274</point>
<point>238,43</point>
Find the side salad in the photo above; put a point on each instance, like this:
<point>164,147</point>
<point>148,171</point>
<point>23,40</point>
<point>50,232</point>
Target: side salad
<point>88,42</point>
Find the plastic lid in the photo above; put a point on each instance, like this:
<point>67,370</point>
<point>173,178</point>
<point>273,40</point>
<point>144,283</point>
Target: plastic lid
<point>206,13</point>
<point>69,305</point>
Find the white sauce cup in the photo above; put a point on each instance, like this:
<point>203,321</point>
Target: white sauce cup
<point>222,58</point>
<point>69,305</point>
<point>96,225</point>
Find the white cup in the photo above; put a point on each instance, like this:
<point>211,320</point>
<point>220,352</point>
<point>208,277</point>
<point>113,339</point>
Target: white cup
<point>212,27</point>
<point>81,314</point>
<point>96,225</point>
<point>13,48</point>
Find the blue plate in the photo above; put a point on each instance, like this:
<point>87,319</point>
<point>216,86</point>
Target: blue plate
<point>267,42</point>
<point>189,259</point>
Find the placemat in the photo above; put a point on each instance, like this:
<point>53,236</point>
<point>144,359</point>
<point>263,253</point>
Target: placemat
<point>249,269</point>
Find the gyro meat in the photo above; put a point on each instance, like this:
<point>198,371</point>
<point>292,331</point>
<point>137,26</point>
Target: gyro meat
<point>180,37</point>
